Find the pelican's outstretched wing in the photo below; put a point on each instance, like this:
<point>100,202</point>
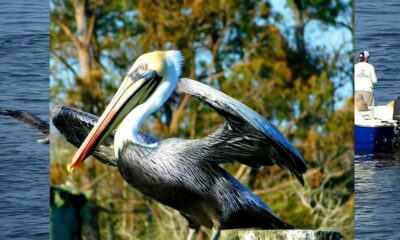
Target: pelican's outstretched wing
<point>246,137</point>
<point>27,118</point>
<point>75,125</point>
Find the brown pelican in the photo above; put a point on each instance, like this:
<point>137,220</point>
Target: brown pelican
<point>30,119</point>
<point>185,174</point>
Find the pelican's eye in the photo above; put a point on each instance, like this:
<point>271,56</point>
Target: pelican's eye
<point>139,72</point>
<point>141,68</point>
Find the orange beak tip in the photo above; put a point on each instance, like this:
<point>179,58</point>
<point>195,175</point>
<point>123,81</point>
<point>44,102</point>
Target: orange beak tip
<point>70,169</point>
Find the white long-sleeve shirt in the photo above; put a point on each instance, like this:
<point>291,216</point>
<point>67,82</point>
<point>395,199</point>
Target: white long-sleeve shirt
<point>364,77</point>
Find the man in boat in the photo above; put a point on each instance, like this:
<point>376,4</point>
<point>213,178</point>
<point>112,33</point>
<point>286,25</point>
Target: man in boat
<point>364,80</point>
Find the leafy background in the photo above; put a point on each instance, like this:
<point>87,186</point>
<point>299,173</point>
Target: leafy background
<point>272,59</point>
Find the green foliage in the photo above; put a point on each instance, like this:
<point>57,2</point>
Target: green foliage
<point>326,11</point>
<point>231,45</point>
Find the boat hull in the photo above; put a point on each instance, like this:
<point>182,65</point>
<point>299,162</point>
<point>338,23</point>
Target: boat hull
<point>374,139</point>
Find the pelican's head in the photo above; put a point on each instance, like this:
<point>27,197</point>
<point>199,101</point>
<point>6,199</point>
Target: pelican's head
<point>149,83</point>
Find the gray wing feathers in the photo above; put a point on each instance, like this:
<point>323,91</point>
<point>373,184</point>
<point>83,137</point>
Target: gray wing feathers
<point>75,125</point>
<point>27,118</point>
<point>248,136</point>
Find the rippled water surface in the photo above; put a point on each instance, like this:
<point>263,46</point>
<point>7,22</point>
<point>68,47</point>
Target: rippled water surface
<point>377,177</point>
<point>24,84</point>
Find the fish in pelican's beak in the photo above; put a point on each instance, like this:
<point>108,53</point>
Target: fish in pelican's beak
<point>142,82</point>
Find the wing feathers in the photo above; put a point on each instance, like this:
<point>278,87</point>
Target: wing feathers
<point>27,118</point>
<point>75,125</point>
<point>249,138</point>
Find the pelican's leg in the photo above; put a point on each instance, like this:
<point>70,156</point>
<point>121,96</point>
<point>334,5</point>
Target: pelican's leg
<point>215,233</point>
<point>193,233</point>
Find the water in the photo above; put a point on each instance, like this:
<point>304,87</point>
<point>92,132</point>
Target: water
<point>378,31</point>
<point>24,84</point>
<point>377,176</point>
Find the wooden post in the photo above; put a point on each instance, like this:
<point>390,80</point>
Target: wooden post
<point>288,235</point>
<point>72,217</point>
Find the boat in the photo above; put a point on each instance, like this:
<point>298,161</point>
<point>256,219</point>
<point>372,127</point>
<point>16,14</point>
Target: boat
<point>377,128</point>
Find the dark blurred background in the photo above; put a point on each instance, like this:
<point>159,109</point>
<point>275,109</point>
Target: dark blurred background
<point>291,61</point>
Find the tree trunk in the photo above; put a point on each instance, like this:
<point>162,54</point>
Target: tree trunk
<point>83,50</point>
<point>299,26</point>
<point>89,79</point>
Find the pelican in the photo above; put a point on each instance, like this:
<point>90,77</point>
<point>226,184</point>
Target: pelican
<point>185,174</point>
<point>30,119</point>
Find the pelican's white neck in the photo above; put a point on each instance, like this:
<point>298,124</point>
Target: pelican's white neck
<point>129,127</point>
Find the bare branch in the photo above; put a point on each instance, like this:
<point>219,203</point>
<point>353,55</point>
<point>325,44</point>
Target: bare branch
<point>65,62</point>
<point>90,31</point>
<point>68,32</point>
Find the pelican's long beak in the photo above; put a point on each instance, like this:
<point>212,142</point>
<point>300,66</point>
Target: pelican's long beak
<point>130,94</point>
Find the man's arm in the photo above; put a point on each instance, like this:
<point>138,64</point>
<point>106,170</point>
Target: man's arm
<point>373,75</point>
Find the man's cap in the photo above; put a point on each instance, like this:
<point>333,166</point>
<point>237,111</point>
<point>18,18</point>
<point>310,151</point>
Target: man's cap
<point>364,54</point>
